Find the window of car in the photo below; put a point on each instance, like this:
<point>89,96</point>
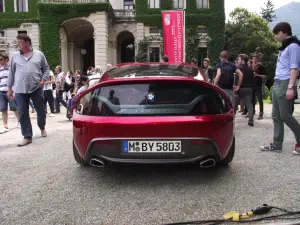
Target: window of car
<point>155,98</point>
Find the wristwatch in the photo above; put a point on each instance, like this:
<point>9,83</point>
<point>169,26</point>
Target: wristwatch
<point>290,86</point>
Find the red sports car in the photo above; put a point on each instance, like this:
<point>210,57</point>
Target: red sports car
<point>153,113</point>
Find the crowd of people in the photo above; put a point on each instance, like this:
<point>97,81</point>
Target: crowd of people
<point>63,86</point>
<point>28,80</point>
<point>243,81</point>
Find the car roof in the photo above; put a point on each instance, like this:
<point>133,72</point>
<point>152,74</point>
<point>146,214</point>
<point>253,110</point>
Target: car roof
<point>200,75</point>
<point>150,63</point>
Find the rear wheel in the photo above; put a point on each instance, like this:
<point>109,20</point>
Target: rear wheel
<point>78,158</point>
<point>229,157</point>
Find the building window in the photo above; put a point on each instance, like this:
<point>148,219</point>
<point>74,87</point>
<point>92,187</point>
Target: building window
<point>128,4</point>
<point>202,30</point>
<point>154,30</point>
<point>154,54</point>
<point>202,4</point>
<point>22,31</point>
<point>2,6</point>
<point>154,4</point>
<point>178,4</point>
<point>2,33</point>
<point>21,5</point>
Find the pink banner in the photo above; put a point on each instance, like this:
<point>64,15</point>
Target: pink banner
<point>173,29</point>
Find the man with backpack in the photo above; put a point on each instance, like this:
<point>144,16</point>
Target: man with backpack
<point>225,75</point>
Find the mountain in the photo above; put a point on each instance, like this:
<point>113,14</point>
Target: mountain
<point>289,13</point>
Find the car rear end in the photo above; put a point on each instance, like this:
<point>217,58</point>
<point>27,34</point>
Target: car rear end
<point>153,120</point>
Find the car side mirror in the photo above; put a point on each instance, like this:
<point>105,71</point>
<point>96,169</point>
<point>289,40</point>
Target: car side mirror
<point>79,108</point>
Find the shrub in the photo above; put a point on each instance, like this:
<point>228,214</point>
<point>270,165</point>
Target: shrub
<point>271,91</point>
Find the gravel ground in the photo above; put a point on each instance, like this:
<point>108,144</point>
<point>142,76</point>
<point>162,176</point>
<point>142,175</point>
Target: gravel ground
<point>42,184</point>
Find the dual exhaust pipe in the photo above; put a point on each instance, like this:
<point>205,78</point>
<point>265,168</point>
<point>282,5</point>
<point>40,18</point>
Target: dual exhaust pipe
<point>97,162</point>
<point>206,163</point>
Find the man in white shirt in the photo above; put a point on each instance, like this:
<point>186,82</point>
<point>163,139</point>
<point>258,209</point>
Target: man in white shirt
<point>4,100</point>
<point>48,93</point>
<point>95,77</point>
<point>108,67</point>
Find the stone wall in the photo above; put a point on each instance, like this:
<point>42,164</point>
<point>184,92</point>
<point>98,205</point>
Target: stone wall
<point>10,35</point>
<point>99,21</point>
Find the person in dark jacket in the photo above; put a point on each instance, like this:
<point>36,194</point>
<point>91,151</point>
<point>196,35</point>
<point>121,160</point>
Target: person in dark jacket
<point>165,59</point>
<point>226,75</point>
<point>245,92</point>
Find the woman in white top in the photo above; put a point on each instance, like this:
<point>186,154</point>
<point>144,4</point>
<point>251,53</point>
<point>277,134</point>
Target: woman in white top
<point>48,93</point>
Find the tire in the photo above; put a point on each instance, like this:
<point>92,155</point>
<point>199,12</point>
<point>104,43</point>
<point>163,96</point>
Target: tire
<point>229,157</point>
<point>78,158</point>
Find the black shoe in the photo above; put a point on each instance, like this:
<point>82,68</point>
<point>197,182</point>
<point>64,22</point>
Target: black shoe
<point>250,123</point>
<point>271,148</point>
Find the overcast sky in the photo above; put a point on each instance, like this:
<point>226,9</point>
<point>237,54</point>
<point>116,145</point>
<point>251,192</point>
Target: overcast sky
<point>253,5</point>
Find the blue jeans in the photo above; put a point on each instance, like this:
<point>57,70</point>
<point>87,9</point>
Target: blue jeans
<point>230,94</point>
<point>31,104</point>
<point>23,101</point>
<point>71,103</point>
<point>59,99</point>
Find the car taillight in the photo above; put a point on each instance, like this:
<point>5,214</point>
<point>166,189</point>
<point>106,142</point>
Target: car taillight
<point>200,142</point>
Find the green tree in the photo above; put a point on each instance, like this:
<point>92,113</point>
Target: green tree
<point>268,11</point>
<point>248,33</point>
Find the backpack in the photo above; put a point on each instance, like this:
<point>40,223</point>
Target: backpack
<point>227,76</point>
<point>67,87</point>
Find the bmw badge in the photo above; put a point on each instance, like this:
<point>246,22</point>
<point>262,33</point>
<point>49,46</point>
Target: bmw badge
<point>151,97</point>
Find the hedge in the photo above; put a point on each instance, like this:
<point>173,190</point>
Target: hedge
<point>52,15</point>
<point>10,18</point>
<point>271,93</point>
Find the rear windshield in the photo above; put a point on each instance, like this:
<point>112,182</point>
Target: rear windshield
<point>154,99</point>
<point>137,70</point>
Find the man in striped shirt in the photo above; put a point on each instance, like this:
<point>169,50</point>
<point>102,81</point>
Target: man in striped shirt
<point>4,100</point>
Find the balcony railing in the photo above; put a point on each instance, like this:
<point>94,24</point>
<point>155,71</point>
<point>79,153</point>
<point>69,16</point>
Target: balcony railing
<point>124,13</point>
<point>73,1</point>
<point>121,14</point>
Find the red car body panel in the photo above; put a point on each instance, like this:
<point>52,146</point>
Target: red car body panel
<point>219,128</point>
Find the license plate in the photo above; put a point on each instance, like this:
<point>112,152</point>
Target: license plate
<point>151,146</point>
